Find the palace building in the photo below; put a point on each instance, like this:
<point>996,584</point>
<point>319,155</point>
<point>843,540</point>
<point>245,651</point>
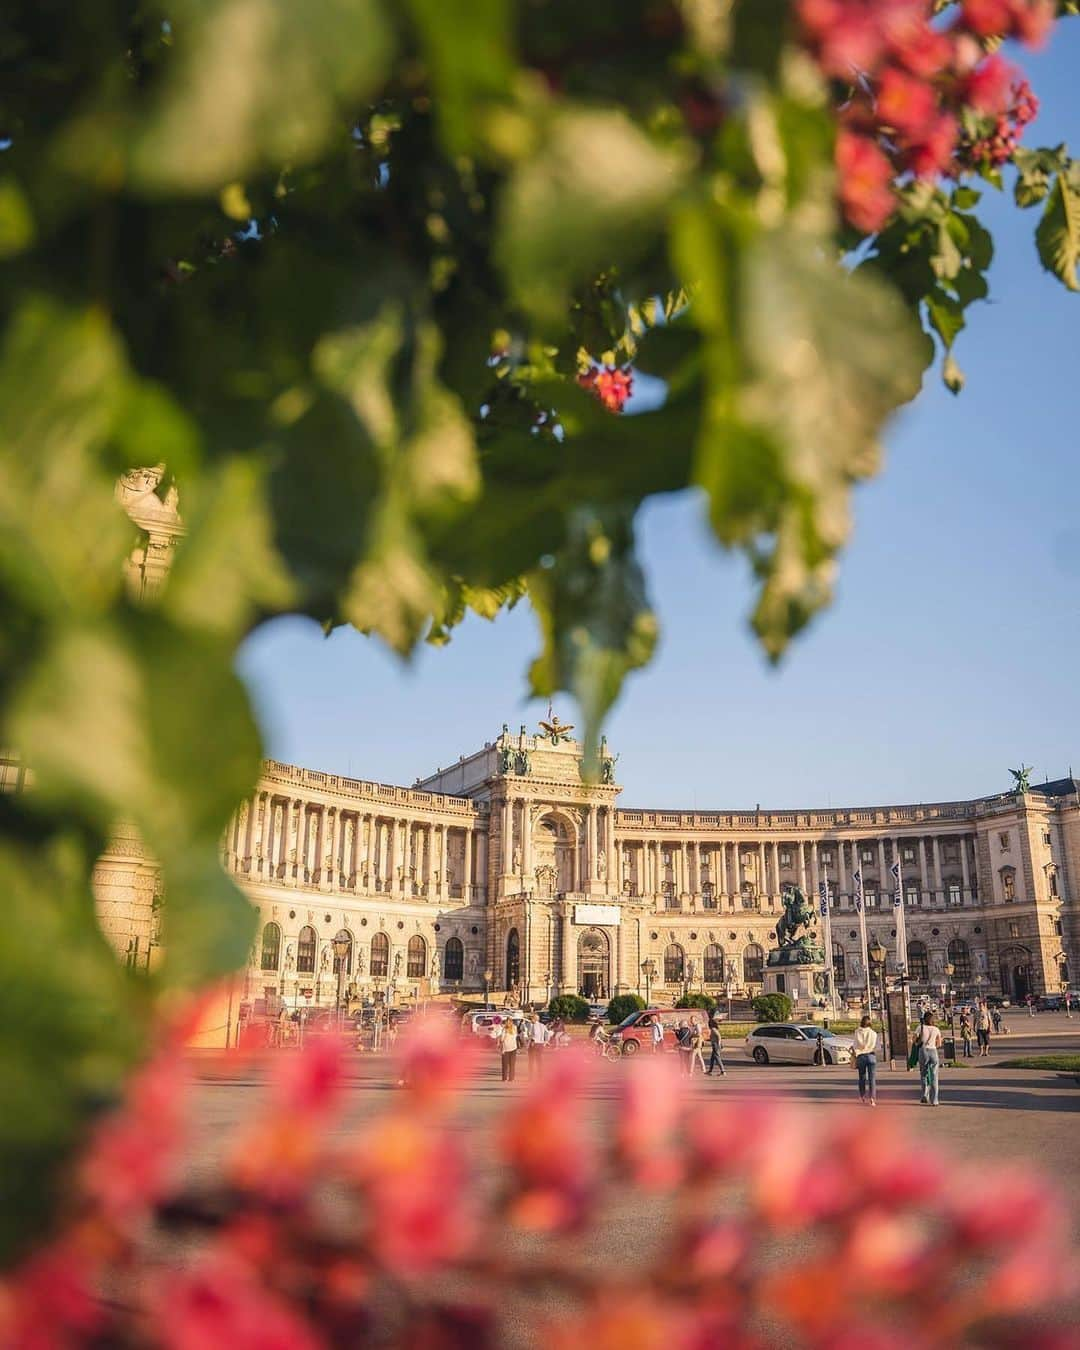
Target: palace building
<point>514,871</point>
<point>511,870</point>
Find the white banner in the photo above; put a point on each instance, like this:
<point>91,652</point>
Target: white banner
<point>597,916</point>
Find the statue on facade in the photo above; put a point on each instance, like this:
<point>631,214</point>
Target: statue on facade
<point>507,757</point>
<point>601,865</point>
<point>556,730</point>
<point>359,961</point>
<point>607,768</point>
<point>522,762</point>
<point>515,860</point>
<point>1021,778</point>
<point>290,959</point>
<point>435,964</point>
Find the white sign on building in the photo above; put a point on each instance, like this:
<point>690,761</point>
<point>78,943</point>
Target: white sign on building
<point>598,916</point>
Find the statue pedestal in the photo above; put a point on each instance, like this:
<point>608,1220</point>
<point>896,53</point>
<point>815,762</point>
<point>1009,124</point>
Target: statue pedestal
<point>805,981</point>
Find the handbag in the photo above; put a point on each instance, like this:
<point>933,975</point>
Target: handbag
<point>913,1054</point>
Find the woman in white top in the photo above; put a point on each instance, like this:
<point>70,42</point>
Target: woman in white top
<point>508,1044</point>
<point>865,1047</point>
<point>929,1059</point>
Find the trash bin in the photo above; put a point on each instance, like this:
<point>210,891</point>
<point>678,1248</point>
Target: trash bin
<point>948,1047</point>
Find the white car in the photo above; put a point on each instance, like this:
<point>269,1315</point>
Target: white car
<point>489,1023</point>
<point>795,1043</point>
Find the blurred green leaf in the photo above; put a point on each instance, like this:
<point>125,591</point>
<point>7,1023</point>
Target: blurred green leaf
<point>595,618</point>
<point>16,219</point>
<point>252,82</point>
<point>594,194</point>
<point>468,43</point>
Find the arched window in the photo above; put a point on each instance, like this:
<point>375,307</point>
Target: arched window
<point>454,959</point>
<point>960,957</point>
<point>753,964</point>
<point>714,964</point>
<point>674,964</point>
<point>918,962</point>
<point>271,947</point>
<point>344,936</point>
<point>416,958</point>
<point>513,959</point>
<point>839,965</point>
<point>380,955</point>
<point>708,895</point>
<point>305,951</point>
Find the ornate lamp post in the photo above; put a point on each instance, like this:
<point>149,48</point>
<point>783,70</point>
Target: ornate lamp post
<point>878,956</point>
<point>648,969</point>
<point>342,948</point>
<point>950,970</point>
<point>489,975</point>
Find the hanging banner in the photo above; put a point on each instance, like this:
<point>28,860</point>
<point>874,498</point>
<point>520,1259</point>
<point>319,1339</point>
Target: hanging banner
<point>597,916</point>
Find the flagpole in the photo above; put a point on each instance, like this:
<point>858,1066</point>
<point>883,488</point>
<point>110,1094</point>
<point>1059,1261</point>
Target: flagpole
<point>860,905</point>
<point>825,914</point>
<point>901,932</point>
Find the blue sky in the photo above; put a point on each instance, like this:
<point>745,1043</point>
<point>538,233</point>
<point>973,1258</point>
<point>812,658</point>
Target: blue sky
<point>950,654</point>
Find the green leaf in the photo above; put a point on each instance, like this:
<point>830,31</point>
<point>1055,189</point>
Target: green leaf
<point>964,198</point>
<point>468,44</point>
<point>16,219</point>
<point>71,1017</point>
<point>257,82</point>
<point>1057,235</point>
<point>946,315</point>
<point>593,195</point>
<point>594,615</point>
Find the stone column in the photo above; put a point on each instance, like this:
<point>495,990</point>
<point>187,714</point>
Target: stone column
<point>841,868</point>
<point>444,887</point>
<point>368,864</point>
<point>393,883</point>
<point>776,868</point>
<point>884,880</point>
<point>815,873</point>
<point>938,886</point>
<point>507,868</point>
<point>527,845</point>
<point>614,856</point>
<point>763,876</point>
<point>590,845</point>
<point>924,875</point>
<point>467,882</point>
<point>802,866</point>
<point>328,862</point>
<point>723,879</point>
<point>965,894</point>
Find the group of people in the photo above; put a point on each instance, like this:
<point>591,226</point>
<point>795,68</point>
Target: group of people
<point>527,1033</point>
<point>980,1020</point>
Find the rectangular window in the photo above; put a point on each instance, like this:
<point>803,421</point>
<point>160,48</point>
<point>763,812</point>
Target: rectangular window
<point>1053,884</point>
<point>827,859</point>
<point>1003,840</point>
<point>912,895</point>
<point>1046,838</point>
<point>909,855</point>
<point>870,897</point>
<point>1057,927</point>
<point>1014,930</point>
<point>866,854</point>
<point>785,857</point>
<point>955,894</point>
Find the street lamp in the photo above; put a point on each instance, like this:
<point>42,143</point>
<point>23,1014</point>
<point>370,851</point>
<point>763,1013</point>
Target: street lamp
<point>489,975</point>
<point>950,970</point>
<point>878,956</point>
<point>648,969</point>
<point>342,948</point>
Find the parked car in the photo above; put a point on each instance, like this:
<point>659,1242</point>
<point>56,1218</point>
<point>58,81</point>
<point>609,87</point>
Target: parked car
<point>997,1001</point>
<point>634,1033</point>
<point>1050,1003</point>
<point>485,1023</point>
<point>795,1043</point>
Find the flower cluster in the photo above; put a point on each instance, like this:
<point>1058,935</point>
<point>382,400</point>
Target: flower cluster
<point>612,385</point>
<point>919,99</point>
<point>426,1226</point>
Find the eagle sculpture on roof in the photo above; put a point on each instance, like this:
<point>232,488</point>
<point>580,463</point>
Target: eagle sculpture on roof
<point>558,731</point>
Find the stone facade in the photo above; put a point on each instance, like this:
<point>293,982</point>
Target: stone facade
<point>511,870</point>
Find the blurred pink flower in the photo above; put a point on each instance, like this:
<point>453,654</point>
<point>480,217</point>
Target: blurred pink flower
<point>651,1103</point>
<point>220,1303</point>
<point>433,1058</point>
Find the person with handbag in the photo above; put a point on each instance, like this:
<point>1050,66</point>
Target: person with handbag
<point>930,1045</point>
<point>508,1045</point>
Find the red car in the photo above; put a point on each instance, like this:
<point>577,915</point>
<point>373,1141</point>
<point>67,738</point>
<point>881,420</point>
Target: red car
<point>634,1033</point>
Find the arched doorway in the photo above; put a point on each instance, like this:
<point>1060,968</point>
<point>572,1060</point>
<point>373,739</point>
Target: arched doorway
<point>1016,973</point>
<point>594,965</point>
<point>554,847</point>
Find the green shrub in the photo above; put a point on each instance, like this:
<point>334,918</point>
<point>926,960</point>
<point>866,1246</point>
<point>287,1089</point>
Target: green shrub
<point>697,1001</point>
<point>569,1007</point>
<point>772,1007</point>
<point>622,1005</point>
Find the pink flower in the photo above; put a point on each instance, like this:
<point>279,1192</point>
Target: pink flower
<point>308,1084</point>
<point>932,154</point>
<point>433,1058</point>
<point>988,89</point>
<point>612,385</point>
<point>219,1302</point>
<point>865,182</point>
<point>890,1253</point>
<point>906,103</point>
<point>49,1302</point>
<point>650,1107</point>
<point>847,35</point>
<point>1018,1207</point>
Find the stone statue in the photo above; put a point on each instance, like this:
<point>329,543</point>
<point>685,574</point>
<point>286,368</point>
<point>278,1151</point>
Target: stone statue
<point>435,964</point>
<point>359,961</point>
<point>607,768</point>
<point>325,962</point>
<point>797,914</point>
<point>397,963</point>
<point>1021,778</point>
<point>473,964</point>
<point>522,762</point>
<point>601,865</point>
<point>515,861</point>
<point>558,731</point>
<point>290,958</point>
<point>507,757</point>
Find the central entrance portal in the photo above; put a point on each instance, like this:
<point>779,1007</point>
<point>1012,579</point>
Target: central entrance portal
<point>594,965</point>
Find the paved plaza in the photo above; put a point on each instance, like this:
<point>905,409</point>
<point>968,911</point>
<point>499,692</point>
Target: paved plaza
<point>987,1112</point>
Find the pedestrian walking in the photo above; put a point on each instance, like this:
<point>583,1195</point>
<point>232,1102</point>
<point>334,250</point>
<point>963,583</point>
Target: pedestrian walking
<point>508,1044</point>
<point>682,1037</point>
<point>1068,1003</point>
<point>965,1034</point>
<point>657,1033</point>
<point>715,1049</point>
<point>996,1015</point>
<point>982,1030</point>
<point>929,1059</point>
<point>819,1050</point>
<point>524,1035</point>
<point>865,1047</point>
<point>538,1038</point>
<point>1031,1004</point>
<point>697,1046</point>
